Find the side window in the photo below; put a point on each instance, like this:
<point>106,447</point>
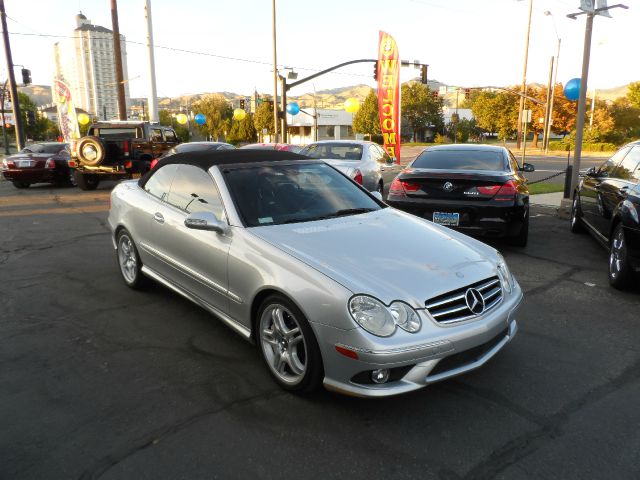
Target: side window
<point>628,168</point>
<point>170,136</point>
<point>156,135</point>
<point>160,182</point>
<point>514,163</point>
<point>386,159</point>
<point>606,169</point>
<point>375,154</point>
<point>193,190</point>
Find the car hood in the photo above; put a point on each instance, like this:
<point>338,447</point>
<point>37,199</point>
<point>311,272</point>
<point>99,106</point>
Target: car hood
<point>387,253</point>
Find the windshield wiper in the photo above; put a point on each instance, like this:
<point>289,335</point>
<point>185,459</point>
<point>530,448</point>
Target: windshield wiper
<point>340,213</point>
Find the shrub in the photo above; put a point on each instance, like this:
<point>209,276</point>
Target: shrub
<point>441,139</point>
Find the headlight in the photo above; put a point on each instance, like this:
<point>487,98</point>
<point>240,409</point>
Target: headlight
<point>405,317</point>
<point>376,318</point>
<point>505,275</point>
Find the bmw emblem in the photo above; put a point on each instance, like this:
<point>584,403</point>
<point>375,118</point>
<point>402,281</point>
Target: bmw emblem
<point>447,187</point>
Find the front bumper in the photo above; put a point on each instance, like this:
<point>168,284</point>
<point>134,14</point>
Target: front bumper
<point>440,352</point>
<point>480,218</point>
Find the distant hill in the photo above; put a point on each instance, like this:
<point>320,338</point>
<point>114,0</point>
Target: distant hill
<point>612,93</point>
<point>40,94</point>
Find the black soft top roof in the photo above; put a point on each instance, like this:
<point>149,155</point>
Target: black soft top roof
<point>208,158</point>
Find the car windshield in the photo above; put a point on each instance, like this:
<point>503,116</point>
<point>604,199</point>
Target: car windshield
<point>334,151</point>
<point>460,160</point>
<point>292,193</point>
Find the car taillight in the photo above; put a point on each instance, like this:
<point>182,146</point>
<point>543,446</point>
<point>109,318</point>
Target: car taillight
<point>507,191</point>
<point>357,176</point>
<point>128,164</point>
<point>72,163</point>
<point>73,146</point>
<point>400,188</point>
<point>50,163</point>
<point>125,148</point>
<point>153,163</point>
<point>488,190</point>
<point>8,164</point>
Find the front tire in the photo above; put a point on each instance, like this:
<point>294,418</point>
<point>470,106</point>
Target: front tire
<point>288,346</point>
<point>576,213</point>
<point>620,271</point>
<point>129,261</point>
<point>521,239</point>
<point>86,181</point>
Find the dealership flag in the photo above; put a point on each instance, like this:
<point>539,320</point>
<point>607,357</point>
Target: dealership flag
<point>389,94</point>
<point>66,110</point>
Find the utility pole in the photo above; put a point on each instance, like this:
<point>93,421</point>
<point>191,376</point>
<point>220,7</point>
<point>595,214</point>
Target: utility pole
<point>524,79</point>
<point>153,94</point>
<point>283,107</point>
<point>582,99</point>
<point>117,54</point>
<point>15,101</point>
<point>275,73</point>
<point>553,96</point>
<point>547,106</point>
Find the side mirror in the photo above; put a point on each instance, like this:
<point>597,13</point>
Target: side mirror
<point>591,172</point>
<point>377,195</point>
<point>205,221</point>
<point>527,167</point>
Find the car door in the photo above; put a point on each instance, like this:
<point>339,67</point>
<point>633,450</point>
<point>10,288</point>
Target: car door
<point>198,258</point>
<point>170,139</point>
<point>623,178</point>
<point>157,141</point>
<point>591,195</point>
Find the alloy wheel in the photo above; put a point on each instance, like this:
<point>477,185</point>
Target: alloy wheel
<point>617,255</point>
<point>283,344</point>
<point>127,259</point>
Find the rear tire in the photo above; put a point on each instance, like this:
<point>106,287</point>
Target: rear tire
<point>20,185</point>
<point>521,239</point>
<point>86,181</point>
<point>620,271</point>
<point>287,345</point>
<point>576,225</point>
<point>91,151</point>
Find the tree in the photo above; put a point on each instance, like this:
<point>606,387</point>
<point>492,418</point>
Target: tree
<point>42,125</point>
<point>263,118</point>
<point>421,108</point>
<point>633,94</point>
<point>496,112</point>
<point>367,119</point>
<point>242,131</point>
<point>217,112</point>
<point>626,120</point>
<point>167,119</point>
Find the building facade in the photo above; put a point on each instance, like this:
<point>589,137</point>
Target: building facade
<point>86,63</point>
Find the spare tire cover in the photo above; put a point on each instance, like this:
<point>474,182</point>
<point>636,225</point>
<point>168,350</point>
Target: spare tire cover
<point>91,151</point>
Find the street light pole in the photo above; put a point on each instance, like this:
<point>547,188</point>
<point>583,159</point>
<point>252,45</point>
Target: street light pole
<point>553,96</point>
<point>275,73</point>
<point>524,79</point>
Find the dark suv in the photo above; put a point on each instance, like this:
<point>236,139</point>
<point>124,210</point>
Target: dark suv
<point>118,149</point>
<point>607,203</point>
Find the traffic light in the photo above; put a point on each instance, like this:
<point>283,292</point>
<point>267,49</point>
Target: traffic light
<point>435,93</point>
<point>242,103</point>
<point>375,70</point>
<point>423,73</point>
<point>467,93</point>
<point>31,118</point>
<point>26,76</point>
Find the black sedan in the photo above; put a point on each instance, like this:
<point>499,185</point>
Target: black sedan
<point>39,162</point>
<point>607,204</point>
<point>477,189</point>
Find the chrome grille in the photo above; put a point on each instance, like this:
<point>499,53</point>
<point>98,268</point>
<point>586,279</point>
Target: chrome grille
<point>453,306</point>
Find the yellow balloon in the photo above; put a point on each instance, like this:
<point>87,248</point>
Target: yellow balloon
<point>83,119</point>
<point>352,105</point>
<point>181,118</point>
<point>239,114</point>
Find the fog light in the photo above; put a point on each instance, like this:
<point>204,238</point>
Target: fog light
<point>380,376</point>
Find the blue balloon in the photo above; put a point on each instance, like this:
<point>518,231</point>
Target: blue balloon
<point>293,108</point>
<point>200,119</point>
<point>572,89</point>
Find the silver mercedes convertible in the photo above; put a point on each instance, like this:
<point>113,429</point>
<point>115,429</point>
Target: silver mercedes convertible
<point>332,285</point>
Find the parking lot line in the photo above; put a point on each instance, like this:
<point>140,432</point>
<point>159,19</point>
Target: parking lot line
<point>103,207</point>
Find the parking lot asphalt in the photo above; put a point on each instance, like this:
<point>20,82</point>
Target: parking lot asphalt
<point>100,381</point>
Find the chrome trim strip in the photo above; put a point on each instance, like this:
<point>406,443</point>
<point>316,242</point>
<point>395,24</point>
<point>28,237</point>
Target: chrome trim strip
<point>489,284</point>
<point>449,310</point>
<point>235,325</point>
<point>445,301</point>
<point>439,347</point>
<point>192,273</point>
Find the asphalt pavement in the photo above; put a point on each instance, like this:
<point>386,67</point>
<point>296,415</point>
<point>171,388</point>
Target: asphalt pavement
<point>100,381</point>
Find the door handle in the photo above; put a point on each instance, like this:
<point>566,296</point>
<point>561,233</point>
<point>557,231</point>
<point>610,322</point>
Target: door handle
<point>158,217</point>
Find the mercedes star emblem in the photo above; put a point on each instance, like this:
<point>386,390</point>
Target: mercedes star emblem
<point>475,301</point>
<point>447,187</point>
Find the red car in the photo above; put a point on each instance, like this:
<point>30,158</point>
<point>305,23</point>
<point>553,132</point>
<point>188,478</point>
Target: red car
<point>37,163</point>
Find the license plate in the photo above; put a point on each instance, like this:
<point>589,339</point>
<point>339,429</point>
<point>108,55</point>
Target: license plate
<point>136,175</point>
<point>446,218</point>
<point>24,163</point>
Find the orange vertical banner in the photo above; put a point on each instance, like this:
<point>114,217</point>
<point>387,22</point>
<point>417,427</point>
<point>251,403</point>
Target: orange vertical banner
<point>389,94</point>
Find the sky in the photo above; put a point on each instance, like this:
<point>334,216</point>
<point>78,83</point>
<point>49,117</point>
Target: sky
<point>467,43</point>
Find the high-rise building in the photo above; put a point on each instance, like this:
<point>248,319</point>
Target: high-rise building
<point>86,63</point>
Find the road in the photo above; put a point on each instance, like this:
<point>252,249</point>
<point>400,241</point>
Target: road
<point>100,381</point>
